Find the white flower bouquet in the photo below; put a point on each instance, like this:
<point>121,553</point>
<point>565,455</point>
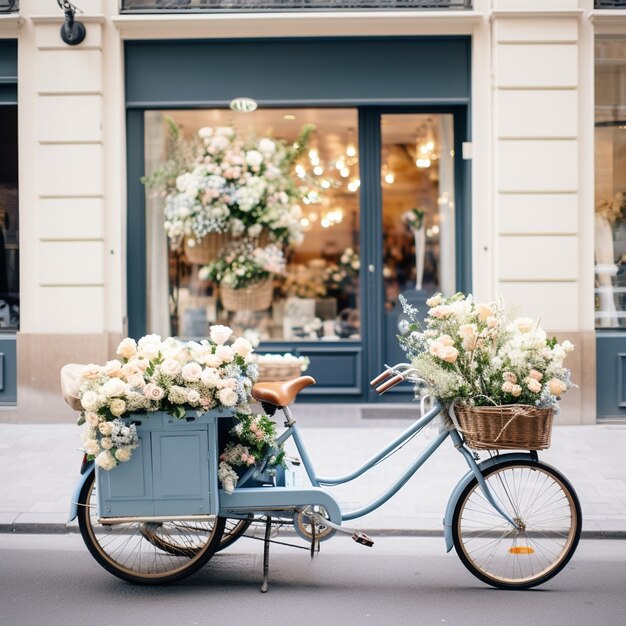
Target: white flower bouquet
<point>236,184</point>
<point>476,354</point>
<point>161,375</point>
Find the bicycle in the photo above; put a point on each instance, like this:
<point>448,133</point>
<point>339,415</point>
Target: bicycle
<point>514,521</point>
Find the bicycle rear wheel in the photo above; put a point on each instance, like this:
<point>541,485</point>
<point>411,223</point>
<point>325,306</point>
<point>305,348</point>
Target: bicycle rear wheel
<point>541,501</point>
<point>150,553</point>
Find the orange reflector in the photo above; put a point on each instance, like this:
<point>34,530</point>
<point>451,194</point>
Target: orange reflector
<point>521,550</point>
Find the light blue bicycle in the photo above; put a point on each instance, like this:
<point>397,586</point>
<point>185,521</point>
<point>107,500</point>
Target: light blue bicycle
<point>514,521</point>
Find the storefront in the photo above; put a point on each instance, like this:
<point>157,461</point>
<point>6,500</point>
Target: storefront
<point>480,114</point>
<point>337,300</point>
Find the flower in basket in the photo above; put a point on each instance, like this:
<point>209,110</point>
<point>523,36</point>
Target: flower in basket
<point>477,354</point>
<point>239,184</point>
<point>242,265</point>
<point>254,442</point>
<point>161,375</point>
<point>414,219</point>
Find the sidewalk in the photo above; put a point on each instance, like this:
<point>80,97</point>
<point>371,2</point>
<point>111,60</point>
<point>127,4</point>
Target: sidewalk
<point>39,466</point>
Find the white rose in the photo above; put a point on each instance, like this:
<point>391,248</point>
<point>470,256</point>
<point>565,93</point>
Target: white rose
<point>91,372</point>
<point>227,397</point>
<point>434,300</point>
<point>193,397</point>
<point>91,447</point>
<point>127,348</point>
<point>117,407</point>
<point>153,392</point>
<point>89,401</point>
<point>210,377</point>
<point>568,346</point>
<point>123,454</point>
<point>212,360</point>
<point>533,385</point>
<point>92,418</point>
<point>105,460</point>
<point>242,347</point>
<point>170,367</point>
<point>220,334</point>
<point>254,158</point>
<point>192,372</point>
<point>113,369</point>
<point>106,443</point>
<point>149,346</point>
<point>225,353</point>
<point>524,324</point>
<point>106,428</point>
<point>136,381</point>
<point>267,146</point>
<point>114,388</point>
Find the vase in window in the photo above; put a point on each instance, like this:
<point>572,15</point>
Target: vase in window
<point>414,221</point>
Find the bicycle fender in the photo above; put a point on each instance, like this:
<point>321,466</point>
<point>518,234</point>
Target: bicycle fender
<point>77,489</point>
<point>458,490</point>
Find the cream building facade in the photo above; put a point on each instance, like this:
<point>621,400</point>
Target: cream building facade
<point>531,150</point>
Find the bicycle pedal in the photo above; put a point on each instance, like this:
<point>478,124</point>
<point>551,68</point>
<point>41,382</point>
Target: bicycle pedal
<point>362,538</point>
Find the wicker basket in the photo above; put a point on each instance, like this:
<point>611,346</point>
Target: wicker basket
<point>256,297</point>
<point>270,372</point>
<point>207,249</point>
<point>508,427</point>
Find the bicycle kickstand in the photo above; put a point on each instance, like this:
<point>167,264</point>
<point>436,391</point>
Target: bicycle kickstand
<point>266,554</point>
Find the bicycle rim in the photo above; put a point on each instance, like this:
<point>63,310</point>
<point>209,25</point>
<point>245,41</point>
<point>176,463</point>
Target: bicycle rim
<point>547,510</point>
<point>149,553</point>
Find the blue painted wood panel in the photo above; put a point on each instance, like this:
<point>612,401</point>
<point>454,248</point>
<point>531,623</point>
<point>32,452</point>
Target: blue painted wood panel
<point>611,374</point>
<point>8,370</point>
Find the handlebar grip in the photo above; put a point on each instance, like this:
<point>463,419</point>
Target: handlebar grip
<point>379,379</point>
<point>392,382</point>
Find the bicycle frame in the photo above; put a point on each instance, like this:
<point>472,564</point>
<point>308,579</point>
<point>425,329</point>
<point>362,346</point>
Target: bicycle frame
<point>322,481</point>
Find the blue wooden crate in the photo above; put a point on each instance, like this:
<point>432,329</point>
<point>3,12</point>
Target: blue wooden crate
<point>173,471</point>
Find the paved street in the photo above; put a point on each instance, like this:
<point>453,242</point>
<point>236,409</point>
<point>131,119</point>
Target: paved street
<point>52,579</point>
<point>39,466</point>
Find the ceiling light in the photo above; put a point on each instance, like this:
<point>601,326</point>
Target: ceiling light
<point>289,116</point>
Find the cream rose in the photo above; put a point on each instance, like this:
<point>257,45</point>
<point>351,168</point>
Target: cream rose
<point>434,300</point>
<point>105,428</point>
<point>441,311</point>
<point>510,377</point>
<point>117,407</point>
<point>89,401</point>
<point>91,372</point>
<point>242,347</point>
<point>113,369</point>
<point>448,354</point>
<point>127,348</point>
<point>227,397</point>
<point>524,324</point>
<point>105,460</point>
<point>91,447</point>
<point>210,377</point>
<point>467,331</point>
<point>193,397</point>
<point>106,443</point>
<point>92,418</point>
<point>516,392</point>
<point>225,353</point>
<point>114,388</point>
<point>507,387</point>
<point>212,360</point>
<point>220,334</point>
<point>556,386</point>
<point>192,372</point>
<point>484,311</point>
<point>149,346</point>
<point>535,374</point>
<point>153,392</point>
<point>533,385</point>
<point>123,454</point>
<point>493,322</point>
<point>170,367</point>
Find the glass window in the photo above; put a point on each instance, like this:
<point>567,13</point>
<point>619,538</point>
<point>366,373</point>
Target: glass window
<point>9,222</point>
<point>610,182</point>
<point>246,205</point>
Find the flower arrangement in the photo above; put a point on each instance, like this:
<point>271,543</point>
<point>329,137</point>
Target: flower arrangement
<point>414,219</point>
<point>242,265</point>
<point>255,436</point>
<point>234,184</point>
<point>345,272</point>
<point>302,362</point>
<point>613,209</point>
<point>478,354</point>
<point>156,375</point>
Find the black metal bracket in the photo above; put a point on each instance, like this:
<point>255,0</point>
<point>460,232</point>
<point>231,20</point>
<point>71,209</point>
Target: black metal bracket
<point>72,32</point>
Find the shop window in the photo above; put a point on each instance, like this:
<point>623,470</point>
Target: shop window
<point>9,222</point>
<point>610,183</point>
<point>306,212</point>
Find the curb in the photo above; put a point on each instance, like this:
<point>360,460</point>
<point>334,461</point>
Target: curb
<point>27,526</point>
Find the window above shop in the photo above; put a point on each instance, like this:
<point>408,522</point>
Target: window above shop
<point>9,6</point>
<point>610,4</point>
<point>225,6</point>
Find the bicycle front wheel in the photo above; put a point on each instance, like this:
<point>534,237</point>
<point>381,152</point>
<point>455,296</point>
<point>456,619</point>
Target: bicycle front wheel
<point>545,506</point>
<point>150,553</point>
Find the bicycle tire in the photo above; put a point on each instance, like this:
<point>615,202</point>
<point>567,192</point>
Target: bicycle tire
<point>549,510</point>
<point>147,553</point>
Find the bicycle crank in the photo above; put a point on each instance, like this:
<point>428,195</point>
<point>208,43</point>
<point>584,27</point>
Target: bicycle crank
<point>358,535</point>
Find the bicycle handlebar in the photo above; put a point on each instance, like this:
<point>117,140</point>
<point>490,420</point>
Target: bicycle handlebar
<point>392,382</point>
